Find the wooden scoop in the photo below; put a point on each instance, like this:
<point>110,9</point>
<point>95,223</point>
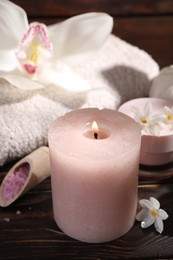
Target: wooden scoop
<point>24,175</point>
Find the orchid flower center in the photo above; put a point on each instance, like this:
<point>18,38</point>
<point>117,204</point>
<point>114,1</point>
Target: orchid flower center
<point>35,49</point>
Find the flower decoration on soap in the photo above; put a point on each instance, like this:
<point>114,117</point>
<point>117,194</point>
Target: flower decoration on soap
<point>35,55</point>
<point>151,213</point>
<point>148,122</point>
<point>168,116</point>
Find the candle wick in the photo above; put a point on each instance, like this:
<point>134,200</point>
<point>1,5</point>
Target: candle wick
<point>95,135</point>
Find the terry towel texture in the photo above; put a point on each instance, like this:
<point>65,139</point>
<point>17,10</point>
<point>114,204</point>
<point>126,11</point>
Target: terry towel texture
<point>117,72</point>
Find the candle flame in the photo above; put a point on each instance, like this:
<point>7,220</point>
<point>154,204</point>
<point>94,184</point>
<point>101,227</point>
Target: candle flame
<point>95,126</point>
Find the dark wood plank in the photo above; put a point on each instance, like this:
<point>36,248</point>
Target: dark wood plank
<point>65,8</point>
<point>154,35</point>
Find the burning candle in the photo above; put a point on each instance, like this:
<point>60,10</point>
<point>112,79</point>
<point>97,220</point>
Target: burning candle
<point>94,173</point>
<point>94,132</point>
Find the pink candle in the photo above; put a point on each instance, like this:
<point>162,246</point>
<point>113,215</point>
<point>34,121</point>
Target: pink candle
<point>155,149</point>
<point>94,173</point>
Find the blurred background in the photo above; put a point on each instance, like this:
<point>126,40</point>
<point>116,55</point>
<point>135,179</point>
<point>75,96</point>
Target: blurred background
<point>147,24</point>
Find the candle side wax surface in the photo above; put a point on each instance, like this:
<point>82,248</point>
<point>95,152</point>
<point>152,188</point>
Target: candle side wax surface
<point>94,182</point>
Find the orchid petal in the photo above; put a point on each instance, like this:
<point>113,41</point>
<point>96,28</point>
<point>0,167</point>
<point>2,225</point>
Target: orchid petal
<point>159,225</point>
<point>80,34</point>
<point>13,24</point>
<point>155,203</point>
<point>147,222</point>
<point>64,77</point>
<point>21,82</point>
<point>162,214</point>
<point>146,204</point>
<point>8,61</point>
<point>142,214</point>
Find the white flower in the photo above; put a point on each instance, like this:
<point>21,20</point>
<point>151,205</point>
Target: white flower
<point>146,120</point>
<point>168,116</point>
<point>35,55</point>
<point>151,214</point>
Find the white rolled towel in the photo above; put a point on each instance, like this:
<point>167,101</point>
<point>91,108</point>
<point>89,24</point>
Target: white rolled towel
<point>117,72</point>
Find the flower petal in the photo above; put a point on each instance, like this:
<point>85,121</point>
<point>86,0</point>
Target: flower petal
<point>155,203</point>
<point>80,34</point>
<point>147,109</point>
<point>8,61</point>
<point>162,214</point>
<point>154,130</point>
<point>65,78</point>
<point>142,214</point>
<point>21,82</point>
<point>167,110</point>
<point>13,24</point>
<point>147,222</point>
<point>146,204</point>
<point>159,225</point>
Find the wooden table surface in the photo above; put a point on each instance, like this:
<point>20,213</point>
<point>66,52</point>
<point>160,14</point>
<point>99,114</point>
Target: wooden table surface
<point>33,234</point>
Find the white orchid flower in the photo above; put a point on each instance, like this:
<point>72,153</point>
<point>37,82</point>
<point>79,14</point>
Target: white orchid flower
<point>148,122</point>
<point>151,214</point>
<point>35,55</point>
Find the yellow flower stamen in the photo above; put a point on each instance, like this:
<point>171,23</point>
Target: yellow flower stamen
<point>34,52</point>
<point>170,117</point>
<point>35,49</point>
<point>154,213</point>
<point>144,121</point>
